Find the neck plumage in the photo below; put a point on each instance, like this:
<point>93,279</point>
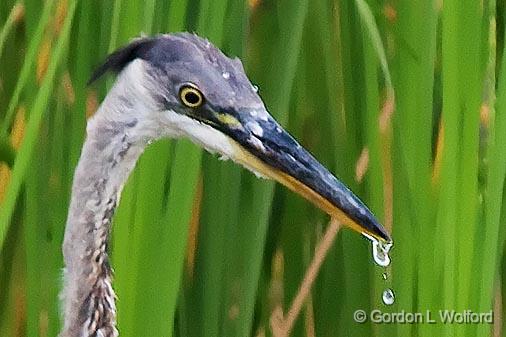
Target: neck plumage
<point>116,136</point>
<point>88,295</point>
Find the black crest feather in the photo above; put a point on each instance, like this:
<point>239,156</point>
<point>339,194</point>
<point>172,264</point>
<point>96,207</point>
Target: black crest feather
<point>116,61</point>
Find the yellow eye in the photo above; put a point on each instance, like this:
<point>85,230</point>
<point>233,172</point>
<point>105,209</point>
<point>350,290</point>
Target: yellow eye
<point>191,96</point>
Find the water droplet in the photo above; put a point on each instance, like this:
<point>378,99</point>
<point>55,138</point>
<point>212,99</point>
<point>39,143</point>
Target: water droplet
<point>255,128</point>
<point>255,88</point>
<point>150,141</point>
<point>384,276</point>
<point>380,250</point>
<point>278,129</point>
<point>380,253</point>
<point>226,75</point>
<point>388,297</point>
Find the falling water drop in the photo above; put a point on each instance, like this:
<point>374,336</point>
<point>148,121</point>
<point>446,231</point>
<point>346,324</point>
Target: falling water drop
<point>388,297</point>
<point>255,88</point>
<point>380,250</point>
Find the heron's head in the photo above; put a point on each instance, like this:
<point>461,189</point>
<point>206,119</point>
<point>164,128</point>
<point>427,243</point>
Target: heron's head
<point>206,96</point>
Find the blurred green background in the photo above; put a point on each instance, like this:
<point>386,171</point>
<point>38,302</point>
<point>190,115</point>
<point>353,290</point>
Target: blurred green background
<point>404,100</point>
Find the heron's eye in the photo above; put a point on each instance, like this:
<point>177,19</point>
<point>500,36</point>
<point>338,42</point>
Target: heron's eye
<point>191,96</point>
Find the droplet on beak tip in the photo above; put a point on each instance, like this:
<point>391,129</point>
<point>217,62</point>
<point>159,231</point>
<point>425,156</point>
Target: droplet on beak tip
<point>380,251</point>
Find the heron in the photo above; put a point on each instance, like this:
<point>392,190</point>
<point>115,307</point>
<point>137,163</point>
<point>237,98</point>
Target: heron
<point>172,86</point>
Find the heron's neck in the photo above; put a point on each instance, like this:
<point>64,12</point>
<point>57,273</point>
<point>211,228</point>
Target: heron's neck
<point>114,142</point>
<point>103,168</point>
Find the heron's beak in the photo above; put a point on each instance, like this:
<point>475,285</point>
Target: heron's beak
<point>263,146</point>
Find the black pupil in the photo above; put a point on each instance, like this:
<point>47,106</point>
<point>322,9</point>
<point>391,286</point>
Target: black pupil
<point>192,97</point>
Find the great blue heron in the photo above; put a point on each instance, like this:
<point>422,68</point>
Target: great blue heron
<point>176,85</point>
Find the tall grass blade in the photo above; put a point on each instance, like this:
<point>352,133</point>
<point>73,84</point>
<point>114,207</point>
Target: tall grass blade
<point>32,127</point>
<point>29,62</point>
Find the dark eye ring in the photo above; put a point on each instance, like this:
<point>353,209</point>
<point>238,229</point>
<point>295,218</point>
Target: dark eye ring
<point>191,96</point>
